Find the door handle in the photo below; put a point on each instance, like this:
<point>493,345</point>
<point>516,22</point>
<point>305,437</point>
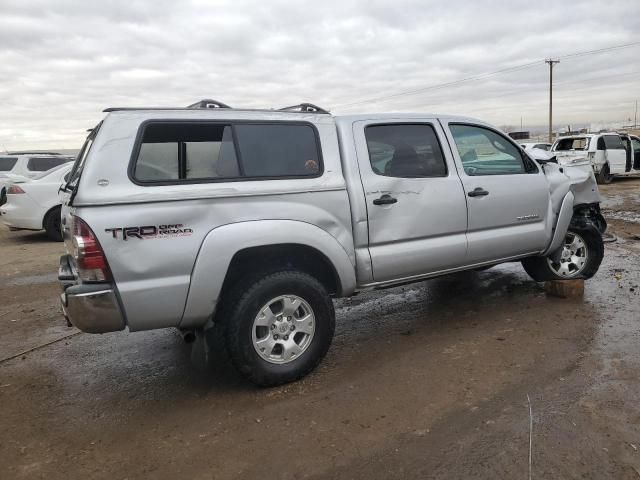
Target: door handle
<point>478,192</point>
<point>385,200</point>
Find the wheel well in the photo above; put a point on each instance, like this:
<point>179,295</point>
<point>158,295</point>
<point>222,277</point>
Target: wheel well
<point>275,257</point>
<point>48,212</point>
<point>586,214</point>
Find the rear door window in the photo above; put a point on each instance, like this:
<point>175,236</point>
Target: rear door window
<point>613,142</point>
<point>610,142</point>
<point>7,163</point>
<point>42,164</point>
<point>405,151</point>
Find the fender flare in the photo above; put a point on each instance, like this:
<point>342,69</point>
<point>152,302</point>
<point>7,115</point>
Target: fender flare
<point>562,224</point>
<point>222,243</point>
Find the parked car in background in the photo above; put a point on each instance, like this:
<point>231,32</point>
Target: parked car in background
<point>540,146</point>
<point>251,221</point>
<point>610,153</point>
<point>632,146</point>
<point>17,166</point>
<point>34,204</point>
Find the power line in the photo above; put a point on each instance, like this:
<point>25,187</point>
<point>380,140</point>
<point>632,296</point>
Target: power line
<point>600,50</point>
<point>482,76</point>
<point>441,85</point>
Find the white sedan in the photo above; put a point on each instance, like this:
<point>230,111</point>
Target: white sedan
<point>35,204</point>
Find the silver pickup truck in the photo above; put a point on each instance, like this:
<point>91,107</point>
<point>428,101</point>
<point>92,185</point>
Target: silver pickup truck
<point>253,220</point>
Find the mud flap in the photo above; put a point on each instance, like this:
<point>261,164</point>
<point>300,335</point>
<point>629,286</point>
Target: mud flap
<point>200,351</point>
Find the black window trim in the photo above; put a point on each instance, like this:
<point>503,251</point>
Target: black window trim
<point>392,124</point>
<point>524,156</point>
<point>229,122</point>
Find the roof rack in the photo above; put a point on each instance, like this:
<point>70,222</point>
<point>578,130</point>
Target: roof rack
<point>304,107</point>
<point>208,103</point>
<point>214,104</point>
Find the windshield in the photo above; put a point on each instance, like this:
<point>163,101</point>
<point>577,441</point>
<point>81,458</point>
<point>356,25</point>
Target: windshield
<point>7,163</point>
<point>574,143</point>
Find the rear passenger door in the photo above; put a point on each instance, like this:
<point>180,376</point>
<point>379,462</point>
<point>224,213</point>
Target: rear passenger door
<point>507,194</point>
<point>417,215</point>
<point>615,154</point>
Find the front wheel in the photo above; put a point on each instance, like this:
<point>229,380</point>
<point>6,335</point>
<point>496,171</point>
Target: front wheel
<point>581,256</point>
<point>278,327</point>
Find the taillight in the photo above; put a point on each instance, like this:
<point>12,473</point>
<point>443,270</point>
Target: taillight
<point>14,190</point>
<point>90,260</point>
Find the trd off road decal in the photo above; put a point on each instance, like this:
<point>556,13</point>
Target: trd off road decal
<point>150,231</point>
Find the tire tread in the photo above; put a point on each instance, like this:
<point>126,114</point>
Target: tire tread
<point>241,353</point>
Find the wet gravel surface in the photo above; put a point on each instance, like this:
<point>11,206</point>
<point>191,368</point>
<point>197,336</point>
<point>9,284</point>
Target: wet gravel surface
<point>424,381</point>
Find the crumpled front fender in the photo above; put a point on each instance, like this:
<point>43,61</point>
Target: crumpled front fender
<point>577,178</point>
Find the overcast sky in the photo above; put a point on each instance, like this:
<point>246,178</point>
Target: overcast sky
<point>63,61</point>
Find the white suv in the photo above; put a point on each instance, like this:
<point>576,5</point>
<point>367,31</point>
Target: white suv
<point>26,165</point>
<point>610,154</point>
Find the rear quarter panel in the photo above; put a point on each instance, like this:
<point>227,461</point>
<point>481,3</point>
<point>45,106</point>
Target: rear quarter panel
<point>153,273</point>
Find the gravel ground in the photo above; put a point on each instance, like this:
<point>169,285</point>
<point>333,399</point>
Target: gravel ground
<point>430,380</point>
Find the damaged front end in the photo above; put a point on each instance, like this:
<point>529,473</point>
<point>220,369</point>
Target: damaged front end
<point>573,175</point>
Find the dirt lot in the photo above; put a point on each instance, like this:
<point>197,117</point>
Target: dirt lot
<point>425,381</point>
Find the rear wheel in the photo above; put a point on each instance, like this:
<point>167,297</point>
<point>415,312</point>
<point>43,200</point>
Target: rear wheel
<point>605,176</point>
<point>581,256</point>
<point>278,327</point>
<point>52,224</point>
<point>3,196</point>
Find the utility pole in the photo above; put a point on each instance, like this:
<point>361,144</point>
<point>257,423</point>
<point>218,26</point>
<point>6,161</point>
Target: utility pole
<point>551,63</point>
<point>635,116</point>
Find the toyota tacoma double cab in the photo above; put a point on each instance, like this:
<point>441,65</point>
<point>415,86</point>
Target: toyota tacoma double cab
<point>247,223</point>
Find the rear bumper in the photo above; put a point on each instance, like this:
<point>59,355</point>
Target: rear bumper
<point>92,307</point>
<point>13,217</point>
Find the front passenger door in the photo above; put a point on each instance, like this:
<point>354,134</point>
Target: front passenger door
<point>507,195</point>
